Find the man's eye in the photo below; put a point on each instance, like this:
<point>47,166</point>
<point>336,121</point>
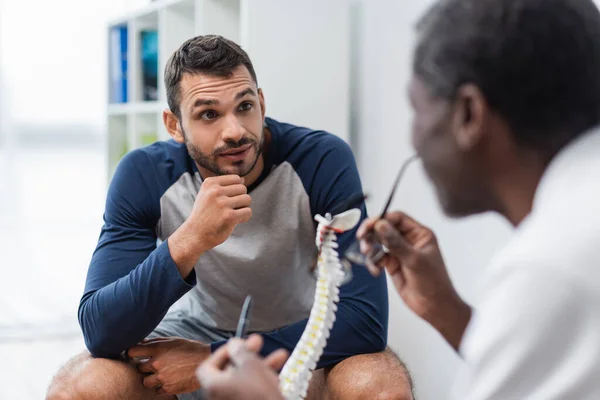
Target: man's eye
<point>247,106</point>
<point>208,115</point>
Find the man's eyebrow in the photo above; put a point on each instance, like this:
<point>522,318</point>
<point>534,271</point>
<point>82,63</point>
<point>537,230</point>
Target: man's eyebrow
<point>244,93</point>
<point>211,102</point>
<point>204,102</point>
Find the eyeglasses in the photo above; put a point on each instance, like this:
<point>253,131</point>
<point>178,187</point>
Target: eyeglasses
<point>353,253</point>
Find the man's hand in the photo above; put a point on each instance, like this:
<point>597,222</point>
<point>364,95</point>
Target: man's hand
<point>221,204</point>
<point>171,363</point>
<point>417,269</point>
<point>234,371</point>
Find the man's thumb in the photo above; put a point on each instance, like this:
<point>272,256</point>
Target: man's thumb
<point>238,353</point>
<point>391,238</point>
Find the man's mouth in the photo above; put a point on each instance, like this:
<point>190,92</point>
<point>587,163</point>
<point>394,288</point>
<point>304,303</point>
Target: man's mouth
<point>237,154</point>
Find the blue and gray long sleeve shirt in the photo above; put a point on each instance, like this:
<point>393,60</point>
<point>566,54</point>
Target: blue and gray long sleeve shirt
<point>132,280</point>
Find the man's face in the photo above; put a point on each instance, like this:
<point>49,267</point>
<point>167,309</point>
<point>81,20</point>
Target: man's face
<point>222,121</point>
<point>459,184</point>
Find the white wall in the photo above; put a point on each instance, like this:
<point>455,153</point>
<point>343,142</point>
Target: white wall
<point>300,51</point>
<point>382,141</point>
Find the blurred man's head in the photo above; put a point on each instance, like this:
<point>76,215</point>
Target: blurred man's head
<point>216,107</point>
<point>498,80</point>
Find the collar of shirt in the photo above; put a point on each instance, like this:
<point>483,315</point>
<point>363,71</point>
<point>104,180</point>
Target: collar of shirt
<point>578,161</point>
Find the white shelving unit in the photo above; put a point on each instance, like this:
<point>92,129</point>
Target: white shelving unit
<point>300,51</point>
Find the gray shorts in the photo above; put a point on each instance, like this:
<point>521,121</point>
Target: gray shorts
<point>179,323</point>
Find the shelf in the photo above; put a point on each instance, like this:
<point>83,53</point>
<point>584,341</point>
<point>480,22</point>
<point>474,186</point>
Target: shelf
<point>272,32</point>
<point>142,107</point>
<point>185,7</point>
<point>152,7</point>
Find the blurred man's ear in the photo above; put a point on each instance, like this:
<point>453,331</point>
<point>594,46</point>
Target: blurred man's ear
<point>469,118</point>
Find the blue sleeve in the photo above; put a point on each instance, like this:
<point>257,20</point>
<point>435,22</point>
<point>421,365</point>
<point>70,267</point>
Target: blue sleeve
<point>131,283</point>
<point>362,318</point>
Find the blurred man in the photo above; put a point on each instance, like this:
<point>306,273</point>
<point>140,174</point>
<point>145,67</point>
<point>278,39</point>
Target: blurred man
<point>506,99</point>
<point>231,201</point>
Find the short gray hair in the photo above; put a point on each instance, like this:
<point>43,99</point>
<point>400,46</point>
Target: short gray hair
<point>537,62</point>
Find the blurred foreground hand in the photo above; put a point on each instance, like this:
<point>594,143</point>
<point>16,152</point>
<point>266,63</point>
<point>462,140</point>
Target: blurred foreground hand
<point>236,371</point>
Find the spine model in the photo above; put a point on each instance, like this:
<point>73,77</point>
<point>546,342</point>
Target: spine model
<point>295,375</point>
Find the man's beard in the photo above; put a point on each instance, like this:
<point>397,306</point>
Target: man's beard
<point>209,162</point>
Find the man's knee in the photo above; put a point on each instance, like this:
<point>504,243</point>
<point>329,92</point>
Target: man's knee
<point>63,385</point>
<point>373,376</point>
<point>85,377</point>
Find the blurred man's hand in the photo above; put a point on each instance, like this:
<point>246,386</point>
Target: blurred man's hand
<point>417,269</point>
<point>235,371</point>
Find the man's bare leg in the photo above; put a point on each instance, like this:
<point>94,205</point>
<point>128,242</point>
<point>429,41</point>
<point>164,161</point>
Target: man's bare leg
<point>85,377</point>
<point>366,376</point>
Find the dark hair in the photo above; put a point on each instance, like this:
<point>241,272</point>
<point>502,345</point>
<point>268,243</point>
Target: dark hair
<point>211,55</point>
<point>537,62</point>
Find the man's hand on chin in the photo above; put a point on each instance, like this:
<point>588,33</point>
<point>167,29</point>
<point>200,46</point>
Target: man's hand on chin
<point>169,364</point>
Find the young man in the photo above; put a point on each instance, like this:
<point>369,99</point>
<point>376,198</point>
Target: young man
<point>506,99</point>
<point>231,201</point>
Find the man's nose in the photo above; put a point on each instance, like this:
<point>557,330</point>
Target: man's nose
<point>233,130</point>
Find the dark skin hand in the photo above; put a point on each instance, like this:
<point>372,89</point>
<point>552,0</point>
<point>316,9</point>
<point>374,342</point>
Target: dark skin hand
<point>417,269</point>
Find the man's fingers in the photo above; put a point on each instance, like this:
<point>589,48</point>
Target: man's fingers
<point>239,353</point>
<point>240,201</point>
<point>392,239</point>
<point>211,370</point>
<point>373,269</point>
<point>234,190</point>
<point>224,180</point>
<point>142,350</point>
<point>161,390</point>
<point>218,359</point>
<point>396,217</point>
<point>208,375</point>
<point>243,214</point>
<point>151,381</point>
<point>403,222</point>
<point>236,350</point>
<point>371,247</point>
<point>156,340</point>
<point>365,227</point>
<point>277,359</point>
<point>254,343</point>
<point>366,246</point>
<point>145,367</point>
